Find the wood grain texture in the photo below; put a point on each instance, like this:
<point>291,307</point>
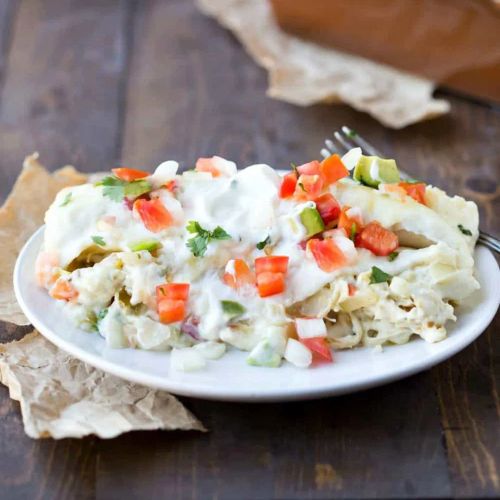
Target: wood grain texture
<point>7,16</point>
<point>66,66</point>
<point>373,444</point>
<point>62,91</point>
<point>192,91</point>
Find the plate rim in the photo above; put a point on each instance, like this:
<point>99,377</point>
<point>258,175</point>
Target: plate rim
<point>182,389</point>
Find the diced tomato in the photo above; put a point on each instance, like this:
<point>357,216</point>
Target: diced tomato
<point>288,185</point>
<point>328,208</point>
<point>269,283</point>
<point>416,191</point>
<point>394,189</point>
<point>273,264</point>
<point>108,219</point>
<point>308,186</point>
<point>240,277</point>
<point>129,174</point>
<point>174,291</point>
<point>153,214</point>
<point>45,265</point>
<point>63,290</point>
<point>171,185</point>
<point>332,169</point>
<point>377,239</point>
<point>171,311</point>
<point>327,254</point>
<point>349,224</point>
<point>352,289</point>
<point>311,168</point>
<point>207,165</point>
<point>319,348</point>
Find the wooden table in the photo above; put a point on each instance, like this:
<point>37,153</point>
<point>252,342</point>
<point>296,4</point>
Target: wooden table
<point>98,83</point>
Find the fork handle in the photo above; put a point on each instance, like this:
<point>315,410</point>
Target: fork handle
<point>489,241</point>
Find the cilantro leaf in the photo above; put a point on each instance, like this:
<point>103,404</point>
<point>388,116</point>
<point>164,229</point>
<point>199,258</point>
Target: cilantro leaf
<point>117,189</point>
<point>378,276</point>
<point>219,234</point>
<point>66,200</point>
<point>232,309</point>
<point>199,243</point>
<point>261,245</point>
<point>392,256</point>
<point>464,230</point>
<point>354,231</point>
<point>194,227</point>
<point>101,314</point>
<point>98,240</point>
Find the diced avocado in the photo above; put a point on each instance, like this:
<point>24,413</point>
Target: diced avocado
<point>148,245</point>
<point>232,309</point>
<point>263,354</point>
<point>312,221</point>
<point>372,170</point>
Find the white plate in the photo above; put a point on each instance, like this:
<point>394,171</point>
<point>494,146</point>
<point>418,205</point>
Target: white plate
<point>230,378</point>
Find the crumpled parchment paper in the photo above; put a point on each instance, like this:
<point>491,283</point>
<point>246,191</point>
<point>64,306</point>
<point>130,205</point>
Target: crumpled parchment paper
<point>61,396</point>
<point>304,73</point>
<point>20,216</point>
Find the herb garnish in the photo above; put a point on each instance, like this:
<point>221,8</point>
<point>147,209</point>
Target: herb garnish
<point>66,200</point>
<point>392,256</point>
<point>294,169</point>
<point>464,230</point>
<point>378,276</point>
<point>232,309</point>
<point>198,244</point>
<point>95,319</point>
<point>117,189</point>
<point>301,186</point>
<point>98,240</point>
<point>261,245</point>
<point>354,231</point>
<point>101,314</point>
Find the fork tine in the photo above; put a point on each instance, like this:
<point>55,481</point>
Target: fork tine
<point>331,148</point>
<point>325,153</point>
<point>343,140</point>
<point>359,141</point>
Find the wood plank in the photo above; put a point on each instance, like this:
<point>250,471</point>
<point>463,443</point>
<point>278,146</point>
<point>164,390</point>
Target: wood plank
<point>61,96</point>
<point>62,91</point>
<point>461,153</point>
<point>379,443</point>
<point>469,400</point>
<point>188,98</point>
<point>7,16</point>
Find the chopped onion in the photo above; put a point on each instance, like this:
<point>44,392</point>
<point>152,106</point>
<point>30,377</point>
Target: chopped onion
<point>210,349</point>
<point>298,354</point>
<point>164,172</point>
<point>351,158</point>
<point>310,327</point>
<point>187,360</point>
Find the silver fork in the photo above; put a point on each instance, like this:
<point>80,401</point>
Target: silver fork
<point>346,139</point>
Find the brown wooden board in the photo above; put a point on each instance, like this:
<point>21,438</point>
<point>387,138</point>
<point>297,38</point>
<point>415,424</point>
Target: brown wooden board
<point>62,91</point>
<point>66,66</point>
<point>158,81</point>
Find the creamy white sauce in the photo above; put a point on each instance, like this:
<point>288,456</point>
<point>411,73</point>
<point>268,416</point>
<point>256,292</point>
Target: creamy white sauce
<point>247,206</point>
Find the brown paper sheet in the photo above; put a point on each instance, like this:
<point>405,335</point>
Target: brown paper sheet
<point>21,214</point>
<point>61,396</point>
<point>303,73</point>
